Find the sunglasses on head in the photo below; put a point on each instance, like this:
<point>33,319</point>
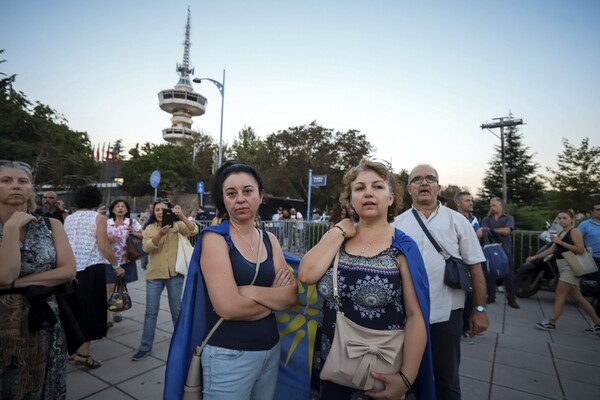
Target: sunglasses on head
<point>162,200</point>
<point>11,163</point>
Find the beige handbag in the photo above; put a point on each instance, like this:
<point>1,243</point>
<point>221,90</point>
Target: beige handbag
<point>356,350</point>
<point>193,383</point>
<point>184,253</point>
<point>581,264</point>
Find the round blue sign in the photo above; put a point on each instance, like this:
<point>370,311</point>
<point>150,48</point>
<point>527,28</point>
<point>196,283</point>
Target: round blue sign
<point>155,179</point>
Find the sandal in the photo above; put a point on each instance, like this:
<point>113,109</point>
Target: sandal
<point>117,317</point>
<point>86,361</point>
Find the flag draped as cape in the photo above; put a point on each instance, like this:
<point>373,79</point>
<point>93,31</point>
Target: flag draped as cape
<point>191,328</point>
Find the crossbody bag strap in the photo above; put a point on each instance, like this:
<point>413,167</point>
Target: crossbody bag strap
<point>220,321</point>
<point>427,233</point>
<point>336,293</point>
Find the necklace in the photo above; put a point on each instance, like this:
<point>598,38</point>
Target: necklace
<point>249,241</point>
<point>365,248</point>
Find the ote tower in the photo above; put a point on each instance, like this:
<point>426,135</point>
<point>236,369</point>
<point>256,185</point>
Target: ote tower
<point>182,102</point>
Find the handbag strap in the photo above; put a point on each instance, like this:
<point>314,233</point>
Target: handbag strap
<point>199,349</point>
<point>336,293</point>
<point>428,234</point>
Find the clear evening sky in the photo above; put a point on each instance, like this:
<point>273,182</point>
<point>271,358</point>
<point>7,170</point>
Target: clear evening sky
<point>418,78</point>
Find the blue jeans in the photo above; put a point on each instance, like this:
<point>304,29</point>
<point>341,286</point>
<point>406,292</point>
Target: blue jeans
<point>239,375</point>
<point>154,288</point>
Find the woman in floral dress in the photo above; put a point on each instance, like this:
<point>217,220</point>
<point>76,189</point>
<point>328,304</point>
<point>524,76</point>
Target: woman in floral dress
<point>382,284</point>
<point>34,259</point>
<point>119,226</point>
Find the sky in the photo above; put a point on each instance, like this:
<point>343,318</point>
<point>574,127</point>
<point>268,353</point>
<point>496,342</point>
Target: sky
<point>417,78</point>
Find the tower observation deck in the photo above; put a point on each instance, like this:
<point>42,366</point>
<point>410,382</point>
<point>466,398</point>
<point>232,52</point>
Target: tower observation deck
<point>182,102</point>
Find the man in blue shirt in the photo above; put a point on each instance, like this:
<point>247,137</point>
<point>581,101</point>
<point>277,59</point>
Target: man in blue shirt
<point>590,229</point>
<point>503,224</point>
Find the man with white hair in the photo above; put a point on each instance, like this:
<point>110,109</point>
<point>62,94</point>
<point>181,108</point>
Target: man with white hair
<point>453,232</point>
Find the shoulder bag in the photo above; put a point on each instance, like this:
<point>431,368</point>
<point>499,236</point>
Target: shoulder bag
<point>135,250</point>
<point>184,253</point>
<point>192,389</point>
<point>356,350</point>
<point>456,273</point>
<point>582,264</point>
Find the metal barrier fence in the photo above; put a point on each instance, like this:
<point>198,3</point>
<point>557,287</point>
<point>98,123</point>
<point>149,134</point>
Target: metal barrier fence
<point>297,237</point>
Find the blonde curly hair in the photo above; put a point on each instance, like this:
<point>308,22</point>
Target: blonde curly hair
<point>385,174</point>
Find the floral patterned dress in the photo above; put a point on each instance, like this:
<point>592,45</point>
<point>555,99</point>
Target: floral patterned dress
<point>37,255</point>
<point>370,291</point>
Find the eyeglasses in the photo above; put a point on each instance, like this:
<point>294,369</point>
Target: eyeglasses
<point>419,179</point>
<point>11,163</point>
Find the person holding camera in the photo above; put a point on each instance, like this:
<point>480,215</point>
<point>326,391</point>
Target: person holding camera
<point>161,241</point>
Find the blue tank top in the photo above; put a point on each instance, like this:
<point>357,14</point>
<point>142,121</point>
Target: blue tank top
<point>246,335</point>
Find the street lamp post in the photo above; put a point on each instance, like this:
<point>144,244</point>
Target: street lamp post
<point>503,122</point>
<point>221,87</point>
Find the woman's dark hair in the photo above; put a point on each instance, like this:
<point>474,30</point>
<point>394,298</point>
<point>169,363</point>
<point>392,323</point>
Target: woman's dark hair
<point>111,213</point>
<point>152,218</point>
<point>228,168</point>
<point>336,214</point>
<point>88,196</point>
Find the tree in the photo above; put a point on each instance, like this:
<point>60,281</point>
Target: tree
<point>577,176</point>
<point>247,146</point>
<point>524,186</point>
<point>40,137</point>
<point>288,155</point>
<point>178,175</point>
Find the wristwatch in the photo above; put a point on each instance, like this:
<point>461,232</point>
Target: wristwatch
<point>480,308</point>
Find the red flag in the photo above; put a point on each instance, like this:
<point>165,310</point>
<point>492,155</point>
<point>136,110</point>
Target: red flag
<point>108,153</point>
<point>101,158</point>
<point>98,152</point>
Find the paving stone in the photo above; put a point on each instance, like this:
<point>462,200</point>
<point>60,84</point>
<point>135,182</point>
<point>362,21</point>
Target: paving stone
<point>589,355</point>
<point>476,369</point>
<point>503,393</point>
<point>575,390</point>
<point>527,381</point>
<point>147,386</point>
<point>577,371</point>
<point>529,361</point>
<point>81,384</point>
<point>473,389</point>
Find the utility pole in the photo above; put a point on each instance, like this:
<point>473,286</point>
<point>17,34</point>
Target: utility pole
<point>502,122</point>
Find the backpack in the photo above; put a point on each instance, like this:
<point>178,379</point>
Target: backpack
<point>496,258</point>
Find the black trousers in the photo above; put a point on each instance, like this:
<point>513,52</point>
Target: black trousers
<point>445,346</point>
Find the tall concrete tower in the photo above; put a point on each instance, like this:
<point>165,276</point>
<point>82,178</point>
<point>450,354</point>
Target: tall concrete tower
<point>182,102</point>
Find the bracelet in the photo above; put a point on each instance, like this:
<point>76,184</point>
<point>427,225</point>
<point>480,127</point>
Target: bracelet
<point>405,380</point>
<point>116,266</point>
<point>340,228</point>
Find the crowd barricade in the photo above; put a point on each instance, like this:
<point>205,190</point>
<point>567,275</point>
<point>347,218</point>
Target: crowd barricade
<point>297,237</point>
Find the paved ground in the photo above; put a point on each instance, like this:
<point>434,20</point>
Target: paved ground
<point>514,360</point>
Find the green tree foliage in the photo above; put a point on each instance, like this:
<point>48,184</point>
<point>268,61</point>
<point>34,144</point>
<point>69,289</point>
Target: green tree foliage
<point>248,147</point>
<point>40,136</point>
<point>524,185</point>
<point>178,175</point>
<point>287,156</point>
<point>577,176</point>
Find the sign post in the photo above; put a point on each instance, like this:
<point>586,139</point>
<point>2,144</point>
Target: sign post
<point>200,191</point>
<point>316,181</point>
<point>155,181</point>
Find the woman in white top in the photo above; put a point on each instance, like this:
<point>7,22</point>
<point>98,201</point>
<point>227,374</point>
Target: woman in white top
<point>86,230</point>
